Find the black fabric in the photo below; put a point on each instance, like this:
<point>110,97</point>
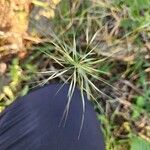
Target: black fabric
<point>33,122</point>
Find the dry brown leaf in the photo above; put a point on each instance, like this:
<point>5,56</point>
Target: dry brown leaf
<point>3,68</point>
<point>14,20</point>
